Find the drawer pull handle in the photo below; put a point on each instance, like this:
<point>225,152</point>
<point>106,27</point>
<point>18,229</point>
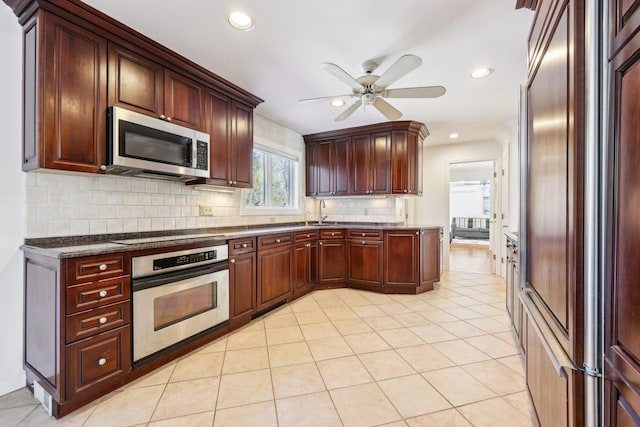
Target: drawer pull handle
<point>244,245</point>
<point>102,294</point>
<point>102,320</point>
<point>232,261</point>
<point>103,267</point>
<point>277,240</point>
<point>102,361</point>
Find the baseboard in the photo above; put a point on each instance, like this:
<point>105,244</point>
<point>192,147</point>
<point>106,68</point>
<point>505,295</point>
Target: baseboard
<point>7,385</point>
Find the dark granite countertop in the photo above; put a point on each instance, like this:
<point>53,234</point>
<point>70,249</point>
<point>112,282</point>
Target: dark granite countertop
<point>76,246</point>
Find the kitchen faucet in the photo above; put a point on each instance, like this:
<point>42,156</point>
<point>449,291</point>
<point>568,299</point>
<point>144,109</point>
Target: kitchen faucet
<point>320,217</point>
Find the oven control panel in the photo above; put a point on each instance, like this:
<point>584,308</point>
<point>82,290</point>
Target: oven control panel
<point>175,261</point>
<point>149,265</point>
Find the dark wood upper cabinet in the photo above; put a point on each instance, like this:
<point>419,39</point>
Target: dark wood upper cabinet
<point>135,82</point>
<point>183,100</point>
<point>378,159</point>
<point>218,113</point>
<point>78,61</point>
<point>371,160</point>
<point>64,85</point>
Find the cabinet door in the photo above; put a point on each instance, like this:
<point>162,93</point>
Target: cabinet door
<point>405,246</point>
<point>332,262</point>
<point>183,100</point>
<point>242,146</point>
<point>242,278</point>
<point>361,164</point>
<point>275,271</point>
<point>399,162</point>
<point>312,277</point>
<point>380,163</point>
<point>325,169</point>
<point>311,168</point>
<point>622,289</point>
<point>341,167</point>
<point>74,97</point>
<point>429,257</point>
<point>301,263</point>
<point>135,82</point>
<point>218,112</point>
<point>412,163</point>
<point>365,263</point>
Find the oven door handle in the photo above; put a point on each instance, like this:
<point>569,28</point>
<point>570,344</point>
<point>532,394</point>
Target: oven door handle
<point>142,283</point>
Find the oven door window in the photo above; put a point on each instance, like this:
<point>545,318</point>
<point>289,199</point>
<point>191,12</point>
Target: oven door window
<point>178,306</point>
<point>145,143</point>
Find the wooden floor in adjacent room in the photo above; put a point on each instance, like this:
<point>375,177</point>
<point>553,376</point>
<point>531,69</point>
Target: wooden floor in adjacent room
<point>470,257</point>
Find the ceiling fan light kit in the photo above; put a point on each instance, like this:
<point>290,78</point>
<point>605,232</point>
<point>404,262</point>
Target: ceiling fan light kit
<point>371,89</point>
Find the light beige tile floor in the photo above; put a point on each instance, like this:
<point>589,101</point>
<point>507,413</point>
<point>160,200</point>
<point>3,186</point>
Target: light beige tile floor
<point>338,357</point>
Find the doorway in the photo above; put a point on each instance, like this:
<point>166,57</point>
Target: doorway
<point>471,203</point>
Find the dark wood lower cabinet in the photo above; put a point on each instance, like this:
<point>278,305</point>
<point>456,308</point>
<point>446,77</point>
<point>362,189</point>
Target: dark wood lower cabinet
<point>365,262</point>
<point>332,262</point>
<point>242,280</point>
<point>305,260</point>
<point>275,270</point>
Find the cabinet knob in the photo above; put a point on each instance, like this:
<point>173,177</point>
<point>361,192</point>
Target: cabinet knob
<point>103,167</point>
<point>308,245</point>
<point>417,233</point>
<point>244,245</point>
<point>308,235</point>
<point>168,119</point>
<point>277,240</point>
<point>320,243</point>
<point>406,191</point>
<point>364,234</point>
<point>230,182</point>
<point>235,182</point>
<point>103,267</point>
<point>102,361</point>
<point>333,234</point>
<point>364,243</point>
<point>102,320</point>
<point>102,293</point>
<point>162,117</point>
<point>232,261</point>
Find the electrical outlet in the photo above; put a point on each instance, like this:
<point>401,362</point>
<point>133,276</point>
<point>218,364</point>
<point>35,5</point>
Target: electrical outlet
<point>206,210</point>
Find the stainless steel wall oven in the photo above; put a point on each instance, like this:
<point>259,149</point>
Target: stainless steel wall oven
<point>176,296</point>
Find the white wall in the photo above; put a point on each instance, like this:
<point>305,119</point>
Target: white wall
<point>12,211</point>
<point>433,207</point>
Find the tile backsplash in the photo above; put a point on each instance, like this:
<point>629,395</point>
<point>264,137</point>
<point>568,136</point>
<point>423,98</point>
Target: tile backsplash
<point>70,205</point>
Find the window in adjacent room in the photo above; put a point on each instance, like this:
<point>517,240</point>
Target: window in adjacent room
<point>274,183</point>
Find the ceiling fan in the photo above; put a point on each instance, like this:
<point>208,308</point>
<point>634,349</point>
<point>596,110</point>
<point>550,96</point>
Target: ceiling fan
<point>370,89</point>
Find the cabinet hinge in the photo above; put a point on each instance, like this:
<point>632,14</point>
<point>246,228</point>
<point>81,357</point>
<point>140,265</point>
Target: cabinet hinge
<point>495,174</point>
<point>502,172</point>
<point>589,370</point>
<point>501,260</point>
<point>494,257</point>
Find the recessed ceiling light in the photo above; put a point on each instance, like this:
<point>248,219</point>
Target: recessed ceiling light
<point>479,73</point>
<point>453,135</point>
<point>240,21</point>
<point>337,102</point>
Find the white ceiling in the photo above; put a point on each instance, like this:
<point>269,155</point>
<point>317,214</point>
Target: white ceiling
<point>278,60</point>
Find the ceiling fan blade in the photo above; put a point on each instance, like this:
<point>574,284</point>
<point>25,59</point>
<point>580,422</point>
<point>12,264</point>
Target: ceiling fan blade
<point>387,110</point>
<point>398,70</point>
<point>341,74</point>
<point>324,98</point>
<point>414,92</point>
<point>349,111</point>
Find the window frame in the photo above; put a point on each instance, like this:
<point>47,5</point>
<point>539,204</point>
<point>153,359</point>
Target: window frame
<point>295,182</point>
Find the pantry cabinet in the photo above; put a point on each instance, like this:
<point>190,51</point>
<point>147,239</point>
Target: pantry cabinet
<point>385,158</point>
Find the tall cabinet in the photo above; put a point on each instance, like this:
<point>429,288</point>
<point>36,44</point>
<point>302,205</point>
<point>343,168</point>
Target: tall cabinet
<point>553,227</point>
<point>622,289</point>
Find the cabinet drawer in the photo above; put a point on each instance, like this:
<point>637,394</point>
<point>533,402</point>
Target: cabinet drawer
<point>364,234</point>
<point>97,267</point>
<point>95,294</point>
<point>97,360</point>
<point>306,236</point>
<point>88,323</point>
<point>242,246</point>
<point>332,234</point>
<point>274,241</point>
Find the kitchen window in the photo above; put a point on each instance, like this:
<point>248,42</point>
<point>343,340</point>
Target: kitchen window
<point>275,184</point>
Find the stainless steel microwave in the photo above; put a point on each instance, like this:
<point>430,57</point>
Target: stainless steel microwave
<point>144,146</point>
